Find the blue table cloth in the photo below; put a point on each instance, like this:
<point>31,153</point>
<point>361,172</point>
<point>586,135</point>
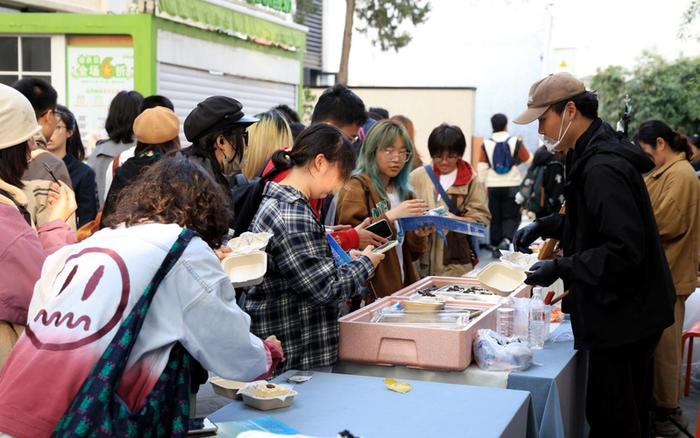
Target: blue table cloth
<point>330,403</point>
<point>556,382</point>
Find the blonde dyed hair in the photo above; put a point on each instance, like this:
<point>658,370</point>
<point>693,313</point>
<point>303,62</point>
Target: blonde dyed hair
<point>271,133</point>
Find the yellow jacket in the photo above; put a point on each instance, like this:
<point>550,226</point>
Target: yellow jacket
<point>674,191</point>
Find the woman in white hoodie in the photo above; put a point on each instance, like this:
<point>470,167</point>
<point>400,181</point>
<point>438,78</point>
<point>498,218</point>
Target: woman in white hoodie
<point>86,290</point>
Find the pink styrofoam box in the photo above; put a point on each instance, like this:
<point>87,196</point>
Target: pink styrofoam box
<point>417,347</point>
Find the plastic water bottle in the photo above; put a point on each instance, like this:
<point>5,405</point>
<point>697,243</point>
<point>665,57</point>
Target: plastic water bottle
<point>537,323</point>
<point>505,318</point>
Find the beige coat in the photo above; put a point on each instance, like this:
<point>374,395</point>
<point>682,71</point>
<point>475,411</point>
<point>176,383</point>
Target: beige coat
<point>469,194</point>
<point>34,197</point>
<point>674,191</point>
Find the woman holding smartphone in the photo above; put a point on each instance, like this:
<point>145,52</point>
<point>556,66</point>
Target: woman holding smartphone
<point>299,296</point>
<point>380,189</point>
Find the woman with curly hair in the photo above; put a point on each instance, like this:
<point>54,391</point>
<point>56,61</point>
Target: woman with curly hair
<point>87,290</point>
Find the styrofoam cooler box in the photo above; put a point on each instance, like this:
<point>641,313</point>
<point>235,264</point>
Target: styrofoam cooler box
<point>412,346</point>
<point>521,292</point>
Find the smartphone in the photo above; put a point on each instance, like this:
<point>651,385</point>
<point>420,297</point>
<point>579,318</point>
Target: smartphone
<point>386,247</point>
<point>201,426</point>
<point>381,229</point>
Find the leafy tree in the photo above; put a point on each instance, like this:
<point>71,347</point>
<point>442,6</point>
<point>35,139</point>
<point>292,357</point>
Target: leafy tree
<point>669,91</point>
<point>689,18</point>
<point>387,18</point>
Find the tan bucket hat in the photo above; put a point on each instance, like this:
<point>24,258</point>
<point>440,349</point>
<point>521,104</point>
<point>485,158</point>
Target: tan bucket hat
<point>548,91</point>
<point>17,118</point>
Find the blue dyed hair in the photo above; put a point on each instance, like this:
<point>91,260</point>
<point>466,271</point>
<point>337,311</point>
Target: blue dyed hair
<point>379,138</point>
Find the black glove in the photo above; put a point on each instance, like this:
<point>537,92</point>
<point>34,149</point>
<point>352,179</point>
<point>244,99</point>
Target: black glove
<point>523,238</point>
<point>543,273</point>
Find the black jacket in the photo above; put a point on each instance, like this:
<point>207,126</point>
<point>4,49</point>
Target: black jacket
<point>126,175</point>
<point>83,180</point>
<point>613,264</point>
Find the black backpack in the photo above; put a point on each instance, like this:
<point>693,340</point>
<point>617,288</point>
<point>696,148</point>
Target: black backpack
<point>247,198</point>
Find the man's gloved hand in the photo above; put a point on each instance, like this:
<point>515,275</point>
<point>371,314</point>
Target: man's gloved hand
<point>543,273</point>
<point>523,238</point>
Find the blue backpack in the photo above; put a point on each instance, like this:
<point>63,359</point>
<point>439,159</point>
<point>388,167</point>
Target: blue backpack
<point>502,158</point>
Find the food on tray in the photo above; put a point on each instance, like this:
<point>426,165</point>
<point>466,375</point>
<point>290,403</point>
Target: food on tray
<point>474,290</point>
<point>269,390</point>
<point>427,291</point>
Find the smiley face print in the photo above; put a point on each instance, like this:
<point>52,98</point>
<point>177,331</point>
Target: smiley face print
<point>90,295</point>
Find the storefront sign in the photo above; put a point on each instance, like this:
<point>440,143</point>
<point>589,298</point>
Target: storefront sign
<point>276,5</point>
<point>94,76</point>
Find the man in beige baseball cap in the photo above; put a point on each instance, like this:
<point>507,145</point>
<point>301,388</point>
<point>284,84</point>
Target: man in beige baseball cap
<point>621,292</point>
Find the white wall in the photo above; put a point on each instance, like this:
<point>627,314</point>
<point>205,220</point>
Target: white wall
<point>501,47</point>
<point>496,49</point>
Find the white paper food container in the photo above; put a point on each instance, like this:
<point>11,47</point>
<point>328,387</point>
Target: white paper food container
<point>519,260</point>
<point>500,278</point>
<point>251,399</point>
<point>226,388</point>
<point>249,242</point>
<point>246,270</point>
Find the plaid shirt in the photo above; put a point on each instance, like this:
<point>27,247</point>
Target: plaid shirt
<point>298,298</point>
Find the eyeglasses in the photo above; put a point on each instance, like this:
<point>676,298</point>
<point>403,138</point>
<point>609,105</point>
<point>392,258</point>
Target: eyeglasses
<point>402,155</point>
<point>445,158</point>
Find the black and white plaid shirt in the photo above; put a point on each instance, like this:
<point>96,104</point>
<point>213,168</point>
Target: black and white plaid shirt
<point>298,299</point>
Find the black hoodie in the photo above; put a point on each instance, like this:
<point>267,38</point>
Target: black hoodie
<point>613,264</point>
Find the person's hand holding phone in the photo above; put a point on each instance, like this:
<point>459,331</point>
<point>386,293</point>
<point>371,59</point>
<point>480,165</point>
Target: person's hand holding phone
<point>412,207</point>
<point>367,237</point>
<point>374,257</point>
<point>61,201</point>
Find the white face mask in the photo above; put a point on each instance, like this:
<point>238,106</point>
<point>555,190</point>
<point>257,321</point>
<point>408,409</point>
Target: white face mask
<point>551,144</point>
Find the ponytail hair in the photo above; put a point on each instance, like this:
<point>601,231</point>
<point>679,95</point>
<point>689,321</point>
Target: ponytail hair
<point>318,139</point>
<point>650,130</point>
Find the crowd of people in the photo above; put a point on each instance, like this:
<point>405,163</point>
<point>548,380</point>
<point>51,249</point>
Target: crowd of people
<point>85,240</point>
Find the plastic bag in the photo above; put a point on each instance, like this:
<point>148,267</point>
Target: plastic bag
<point>494,352</point>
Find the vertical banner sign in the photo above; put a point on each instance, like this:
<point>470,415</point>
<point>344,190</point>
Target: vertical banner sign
<point>94,76</point>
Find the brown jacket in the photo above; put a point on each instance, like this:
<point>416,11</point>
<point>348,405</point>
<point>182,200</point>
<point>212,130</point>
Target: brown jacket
<point>354,206</point>
<point>469,195</point>
<point>674,191</point>
<point>37,170</point>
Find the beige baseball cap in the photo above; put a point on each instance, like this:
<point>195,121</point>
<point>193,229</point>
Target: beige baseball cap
<point>17,118</point>
<point>548,91</point>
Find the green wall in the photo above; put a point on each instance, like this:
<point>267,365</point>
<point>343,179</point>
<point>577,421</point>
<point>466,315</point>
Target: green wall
<point>139,26</point>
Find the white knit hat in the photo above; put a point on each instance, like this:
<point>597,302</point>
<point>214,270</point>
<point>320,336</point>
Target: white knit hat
<point>17,118</point>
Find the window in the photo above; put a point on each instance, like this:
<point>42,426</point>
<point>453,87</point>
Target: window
<point>24,57</point>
